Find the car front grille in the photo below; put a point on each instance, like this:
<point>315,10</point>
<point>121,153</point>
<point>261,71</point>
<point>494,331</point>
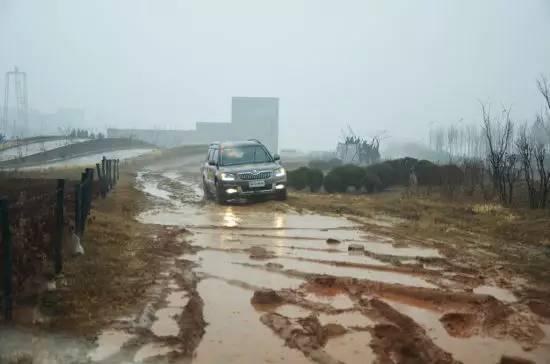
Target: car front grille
<point>247,176</point>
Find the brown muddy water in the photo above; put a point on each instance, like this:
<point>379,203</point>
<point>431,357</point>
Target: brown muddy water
<point>294,250</point>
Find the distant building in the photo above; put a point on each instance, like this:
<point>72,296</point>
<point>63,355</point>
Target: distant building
<point>251,118</point>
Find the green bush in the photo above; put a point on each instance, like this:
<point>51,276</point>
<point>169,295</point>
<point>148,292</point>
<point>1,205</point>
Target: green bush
<point>315,179</point>
<point>385,173</point>
<point>427,173</point>
<point>350,175</point>
<point>402,169</point>
<point>298,178</point>
<point>333,183</point>
<point>372,182</point>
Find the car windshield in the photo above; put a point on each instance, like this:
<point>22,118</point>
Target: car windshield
<point>244,155</point>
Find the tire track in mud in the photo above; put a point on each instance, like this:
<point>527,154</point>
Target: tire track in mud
<point>308,315</point>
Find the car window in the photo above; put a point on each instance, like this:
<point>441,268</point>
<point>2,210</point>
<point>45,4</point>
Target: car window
<point>244,154</point>
<point>215,156</point>
<point>209,155</point>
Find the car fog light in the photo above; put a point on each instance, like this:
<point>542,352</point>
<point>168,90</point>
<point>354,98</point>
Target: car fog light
<point>231,190</point>
<point>279,186</point>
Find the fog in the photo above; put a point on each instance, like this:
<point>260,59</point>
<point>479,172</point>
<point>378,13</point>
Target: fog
<point>398,66</point>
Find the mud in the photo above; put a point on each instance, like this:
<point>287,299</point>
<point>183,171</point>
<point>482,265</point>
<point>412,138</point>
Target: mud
<point>264,282</point>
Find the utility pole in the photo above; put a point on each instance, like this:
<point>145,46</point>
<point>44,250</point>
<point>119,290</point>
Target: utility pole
<point>22,103</point>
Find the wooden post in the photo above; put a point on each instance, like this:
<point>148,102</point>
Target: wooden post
<point>101,179</point>
<point>108,174</point>
<point>59,218</point>
<point>78,229</point>
<point>7,259</point>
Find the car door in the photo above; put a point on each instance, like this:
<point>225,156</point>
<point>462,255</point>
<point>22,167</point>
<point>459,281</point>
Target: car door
<point>211,169</point>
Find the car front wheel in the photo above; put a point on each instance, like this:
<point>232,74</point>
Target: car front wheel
<point>220,196</point>
<point>281,195</point>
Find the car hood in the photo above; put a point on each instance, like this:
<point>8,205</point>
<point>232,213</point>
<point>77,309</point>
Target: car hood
<point>250,167</point>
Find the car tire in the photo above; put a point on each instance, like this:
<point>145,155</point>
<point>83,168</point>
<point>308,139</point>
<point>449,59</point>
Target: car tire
<point>220,196</point>
<point>281,195</point>
<point>206,191</point>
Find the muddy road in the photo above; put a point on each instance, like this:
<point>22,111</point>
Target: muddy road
<point>261,282</point>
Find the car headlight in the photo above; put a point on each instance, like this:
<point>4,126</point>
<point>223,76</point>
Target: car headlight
<point>280,172</point>
<point>227,177</point>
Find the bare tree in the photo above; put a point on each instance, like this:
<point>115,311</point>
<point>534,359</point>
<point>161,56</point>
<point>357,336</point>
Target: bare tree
<point>525,146</point>
<point>498,134</point>
<point>539,153</point>
<point>544,89</point>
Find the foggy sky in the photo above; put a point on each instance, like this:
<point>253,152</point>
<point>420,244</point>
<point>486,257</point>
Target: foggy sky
<point>373,64</point>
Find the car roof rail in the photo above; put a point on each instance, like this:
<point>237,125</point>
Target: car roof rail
<point>255,140</point>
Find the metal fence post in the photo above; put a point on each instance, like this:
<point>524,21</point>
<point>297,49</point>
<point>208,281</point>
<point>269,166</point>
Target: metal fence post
<point>59,215</point>
<point>118,169</point>
<point>7,259</point>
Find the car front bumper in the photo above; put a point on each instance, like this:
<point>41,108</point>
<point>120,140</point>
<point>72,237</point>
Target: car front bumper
<point>242,188</point>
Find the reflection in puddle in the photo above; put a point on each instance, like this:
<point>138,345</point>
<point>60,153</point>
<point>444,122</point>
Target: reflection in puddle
<point>500,294</point>
<point>351,348</point>
<point>109,342</point>
<point>234,324</point>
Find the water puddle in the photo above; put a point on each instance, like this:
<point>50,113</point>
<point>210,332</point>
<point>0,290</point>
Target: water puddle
<point>221,264</point>
<point>109,342</point>
<point>351,348</point>
<point>361,273</point>
<point>500,294</point>
<point>336,299</point>
<point>234,324</point>
<point>292,311</point>
<point>389,249</point>
<point>347,319</point>
<point>475,349</point>
<point>152,350</point>
<point>166,324</point>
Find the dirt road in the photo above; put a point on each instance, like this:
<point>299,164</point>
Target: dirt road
<point>261,282</point>
<point>266,282</point>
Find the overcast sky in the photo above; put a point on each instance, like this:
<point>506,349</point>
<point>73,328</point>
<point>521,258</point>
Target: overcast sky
<point>395,65</point>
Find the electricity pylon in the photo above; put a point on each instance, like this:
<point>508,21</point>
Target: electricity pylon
<point>22,103</point>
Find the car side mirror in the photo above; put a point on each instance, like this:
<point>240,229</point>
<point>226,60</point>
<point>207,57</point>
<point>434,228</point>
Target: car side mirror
<point>212,163</point>
<point>276,157</point>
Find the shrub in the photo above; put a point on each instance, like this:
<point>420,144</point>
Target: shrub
<point>333,183</point>
<point>383,171</point>
<point>427,173</point>
<point>315,179</point>
<point>401,170</point>
<point>372,182</point>
<point>350,175</point>
<point>298,178</point>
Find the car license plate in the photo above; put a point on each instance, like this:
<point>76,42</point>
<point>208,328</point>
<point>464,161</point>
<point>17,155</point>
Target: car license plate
<point>254,184</point>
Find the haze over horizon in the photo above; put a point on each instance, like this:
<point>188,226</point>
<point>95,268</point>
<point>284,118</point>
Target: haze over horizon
<point>373,65</point>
